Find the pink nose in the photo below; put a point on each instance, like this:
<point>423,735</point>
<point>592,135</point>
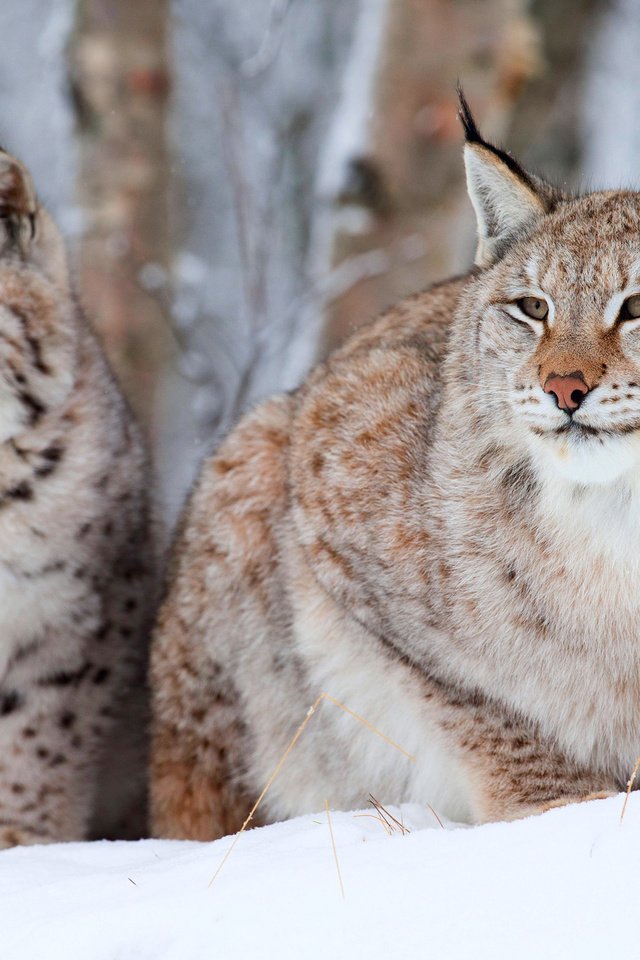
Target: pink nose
<point>569,391</point>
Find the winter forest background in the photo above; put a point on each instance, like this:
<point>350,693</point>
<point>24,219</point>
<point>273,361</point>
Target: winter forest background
<point>243,182</point>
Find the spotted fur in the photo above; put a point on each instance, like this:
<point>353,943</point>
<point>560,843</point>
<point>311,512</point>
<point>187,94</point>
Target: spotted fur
<point>75,572</point>
<point>422,531</point>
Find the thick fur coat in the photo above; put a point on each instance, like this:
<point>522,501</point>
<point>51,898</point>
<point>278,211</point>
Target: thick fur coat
<point>75,563</point>
<point>440,529</point>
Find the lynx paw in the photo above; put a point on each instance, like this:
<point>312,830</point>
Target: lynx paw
<point>536,809</point>
<point>19,836</point>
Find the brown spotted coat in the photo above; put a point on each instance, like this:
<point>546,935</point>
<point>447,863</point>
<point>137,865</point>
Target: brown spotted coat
<point>421,531</point>
<point>75,568</point>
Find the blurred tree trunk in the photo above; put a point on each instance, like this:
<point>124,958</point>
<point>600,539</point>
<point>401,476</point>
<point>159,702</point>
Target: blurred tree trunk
<point>545,129</point>
<point>255,86</point>
<point>120,81</point>
<point>403,193</point>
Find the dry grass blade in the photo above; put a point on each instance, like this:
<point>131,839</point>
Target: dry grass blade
<point>369,726</point>
<point>333,844</point>
<point>629,788</point>
<point>283,758</point>
<point>273,776</point>
<point>388,817</point>
<point>377,818</point>
<point>436,815</point>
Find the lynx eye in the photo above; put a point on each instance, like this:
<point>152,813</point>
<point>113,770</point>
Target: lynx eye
<point>630,309</point>
<point>535,307</point>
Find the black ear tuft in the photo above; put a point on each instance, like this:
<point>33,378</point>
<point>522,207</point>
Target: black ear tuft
<point>507,200</point>
<point>473,135</point>
<point>471,132</point>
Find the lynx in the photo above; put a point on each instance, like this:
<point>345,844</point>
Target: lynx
<point>440,528</point>
<point>74,546</point>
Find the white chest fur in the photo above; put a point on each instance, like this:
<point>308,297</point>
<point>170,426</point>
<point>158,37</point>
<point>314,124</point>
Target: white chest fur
<point>342,658</point>
<point>589,693</point>
<point>603,518</point>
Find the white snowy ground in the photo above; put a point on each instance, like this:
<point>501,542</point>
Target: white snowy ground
<point>562,885</point>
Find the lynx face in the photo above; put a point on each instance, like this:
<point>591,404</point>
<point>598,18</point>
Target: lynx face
<point>558,318</point>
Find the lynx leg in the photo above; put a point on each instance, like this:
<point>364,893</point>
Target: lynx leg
<point>195,793</point>
<point>552,784</point>
<point>49,737</point>
<point>513,771</point>
<point>43,792</point>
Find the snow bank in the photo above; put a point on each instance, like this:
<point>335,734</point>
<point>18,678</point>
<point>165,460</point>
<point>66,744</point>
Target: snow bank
<point>562,885</point>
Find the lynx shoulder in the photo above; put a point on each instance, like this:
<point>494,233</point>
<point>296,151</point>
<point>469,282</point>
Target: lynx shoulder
<point>440,528</point>
<point>75,565</point>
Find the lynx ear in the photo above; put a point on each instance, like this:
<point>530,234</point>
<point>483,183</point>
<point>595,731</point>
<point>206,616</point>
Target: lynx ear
<point>25,226</point>
<point>505,198</point>
<point>18,204</point>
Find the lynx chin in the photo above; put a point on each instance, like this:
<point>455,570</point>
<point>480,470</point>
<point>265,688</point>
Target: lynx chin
<point>440,528</point>
<point>74,557</point>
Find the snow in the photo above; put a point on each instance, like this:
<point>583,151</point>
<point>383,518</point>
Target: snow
<point>561,885</point>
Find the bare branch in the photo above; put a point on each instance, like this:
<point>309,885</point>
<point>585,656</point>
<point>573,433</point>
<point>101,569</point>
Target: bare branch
<point>270,44</point>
